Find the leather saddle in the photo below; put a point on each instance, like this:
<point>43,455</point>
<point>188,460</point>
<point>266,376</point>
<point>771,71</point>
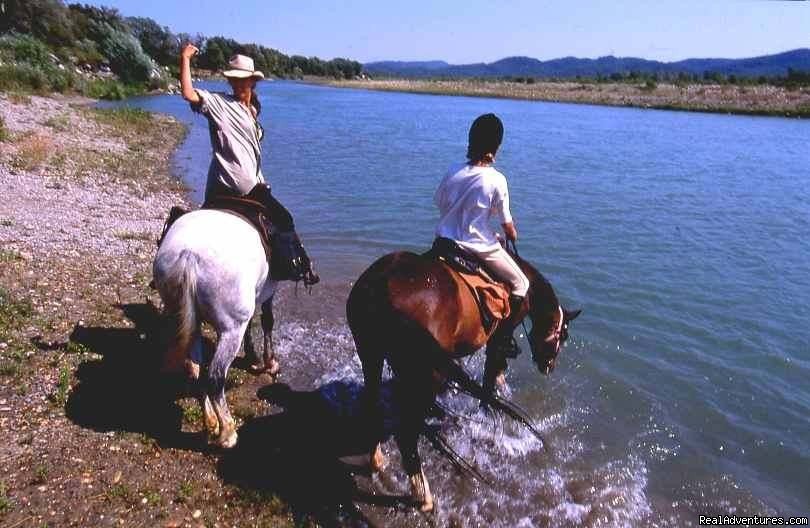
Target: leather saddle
<point>491,295</point>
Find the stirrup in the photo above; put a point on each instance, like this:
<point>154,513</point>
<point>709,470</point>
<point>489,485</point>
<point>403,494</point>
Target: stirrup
<point>289,260</point>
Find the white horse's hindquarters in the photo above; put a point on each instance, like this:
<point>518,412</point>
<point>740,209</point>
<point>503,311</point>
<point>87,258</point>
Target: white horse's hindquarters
<point>232,264</point>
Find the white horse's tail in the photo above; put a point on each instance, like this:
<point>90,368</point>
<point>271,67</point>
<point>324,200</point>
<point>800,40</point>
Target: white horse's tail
<point>180,298</point>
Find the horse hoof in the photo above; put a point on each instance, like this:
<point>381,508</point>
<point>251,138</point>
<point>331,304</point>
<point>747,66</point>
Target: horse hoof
<point>378,461</point>
<point>228,442</point>
<point>420,491</point>
<point>192,369</point>
<point>272,368</point>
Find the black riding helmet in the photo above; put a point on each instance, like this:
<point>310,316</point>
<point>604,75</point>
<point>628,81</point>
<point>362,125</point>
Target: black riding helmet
<point>486,134</point>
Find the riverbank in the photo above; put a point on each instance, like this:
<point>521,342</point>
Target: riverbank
<point>92,437</point>
<point>748,100</point>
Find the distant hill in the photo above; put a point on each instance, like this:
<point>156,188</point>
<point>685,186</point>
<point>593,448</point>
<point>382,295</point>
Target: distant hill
<point>768,65</point>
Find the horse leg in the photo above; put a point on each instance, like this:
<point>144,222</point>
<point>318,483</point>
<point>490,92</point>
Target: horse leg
<point>195,356</point>
<point>414,407</point>
<point>227,348</point>
<point>193,370</point>
<point>372,362</point>
<point>268,363</point>
<point>494,369</point>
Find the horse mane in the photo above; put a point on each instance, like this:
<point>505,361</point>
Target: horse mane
<point>538,284</point>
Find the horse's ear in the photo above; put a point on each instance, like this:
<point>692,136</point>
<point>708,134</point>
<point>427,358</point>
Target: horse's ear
<point>570,316</point>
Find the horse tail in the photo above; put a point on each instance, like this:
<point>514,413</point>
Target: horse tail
<point>181,303</point>
<point>466,384</point>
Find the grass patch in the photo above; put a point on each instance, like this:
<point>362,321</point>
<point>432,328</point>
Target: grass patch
<point>13,312</point>
<point>7,256</point>
<point>122,492</point>
<point>60,123</point>
<point>5,501</point>
<point>60,394</point>
<point>133,235</point>
<point>19,98</point>
<point>4,135</point>
<point>124,121</point>
<point>40,474</point>
<point>33,151</point>
<point>184,492</point>
<point>153,497</point>
<point>72,347</point>
<point>10,368</point>
<point>192,414</point>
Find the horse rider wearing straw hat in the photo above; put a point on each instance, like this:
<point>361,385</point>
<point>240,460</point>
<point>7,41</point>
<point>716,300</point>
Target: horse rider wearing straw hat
<point>236,136</point>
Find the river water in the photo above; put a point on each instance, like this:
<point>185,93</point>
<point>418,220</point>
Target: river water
<point>683,237</point>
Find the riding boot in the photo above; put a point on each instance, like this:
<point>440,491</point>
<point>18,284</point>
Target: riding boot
<point>505,338</point>
<point>289,260</point>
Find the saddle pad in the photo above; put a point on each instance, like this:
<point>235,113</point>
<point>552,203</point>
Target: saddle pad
<point>493,297</point>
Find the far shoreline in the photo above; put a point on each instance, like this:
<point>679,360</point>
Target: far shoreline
<point>761,100</point>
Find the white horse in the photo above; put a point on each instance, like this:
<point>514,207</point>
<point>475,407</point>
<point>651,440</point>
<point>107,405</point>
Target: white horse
<point>211,267</point>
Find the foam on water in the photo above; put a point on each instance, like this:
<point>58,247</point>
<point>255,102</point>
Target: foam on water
<point>528,486</point>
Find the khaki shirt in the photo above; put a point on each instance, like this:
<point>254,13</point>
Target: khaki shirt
<point>236,142</point>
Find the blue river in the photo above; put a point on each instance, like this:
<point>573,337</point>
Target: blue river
<point>685,239</point>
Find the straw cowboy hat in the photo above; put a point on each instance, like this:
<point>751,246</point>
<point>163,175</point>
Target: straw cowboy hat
<point>241,67</point>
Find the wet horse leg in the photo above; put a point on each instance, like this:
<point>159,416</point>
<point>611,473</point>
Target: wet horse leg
<point>372,360</point>
<point>270,362</point>
<point>227,348</point>
<point>494,369</point>
<point>266,362</point>
<point>415,398</point>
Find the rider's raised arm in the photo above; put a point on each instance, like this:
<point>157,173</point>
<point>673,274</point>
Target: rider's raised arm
<point>187,89</point>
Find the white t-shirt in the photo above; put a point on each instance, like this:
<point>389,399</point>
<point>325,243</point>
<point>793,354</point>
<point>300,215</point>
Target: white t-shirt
<point>468,197</point>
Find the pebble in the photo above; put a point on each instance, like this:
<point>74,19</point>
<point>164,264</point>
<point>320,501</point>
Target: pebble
<point>197,514</point>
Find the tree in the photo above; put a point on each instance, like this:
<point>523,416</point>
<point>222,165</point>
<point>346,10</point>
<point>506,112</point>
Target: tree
<point>156,40</point>
<point>125,54</point>
<point>47,20</point>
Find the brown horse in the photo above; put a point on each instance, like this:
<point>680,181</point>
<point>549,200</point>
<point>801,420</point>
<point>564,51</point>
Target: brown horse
<point>416,313</point>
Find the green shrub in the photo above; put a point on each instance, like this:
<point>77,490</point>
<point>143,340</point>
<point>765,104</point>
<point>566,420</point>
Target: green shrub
<point>25,77</point>
<point>22,77</point>
<point>85,51</point>
<point>25,48</point>
<point>4,136</point>
<point>125,54</point>
<point>108,89</point>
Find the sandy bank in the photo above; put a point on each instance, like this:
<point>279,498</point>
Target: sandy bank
<point>752,100</point>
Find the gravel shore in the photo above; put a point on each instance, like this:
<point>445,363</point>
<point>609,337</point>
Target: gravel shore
<point>92,437</point>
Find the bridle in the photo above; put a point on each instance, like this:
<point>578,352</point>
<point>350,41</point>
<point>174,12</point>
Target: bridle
<point>556,335</point>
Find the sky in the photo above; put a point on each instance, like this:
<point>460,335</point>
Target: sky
<point>467,31</point>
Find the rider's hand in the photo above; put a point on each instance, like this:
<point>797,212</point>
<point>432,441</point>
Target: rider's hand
<point>510,232</point>
<point>189,50</point>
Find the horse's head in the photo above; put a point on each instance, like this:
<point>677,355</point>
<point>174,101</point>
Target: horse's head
<point>549,320</point>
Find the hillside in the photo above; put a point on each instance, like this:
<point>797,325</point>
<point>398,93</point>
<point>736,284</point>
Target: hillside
<point>570,67</point>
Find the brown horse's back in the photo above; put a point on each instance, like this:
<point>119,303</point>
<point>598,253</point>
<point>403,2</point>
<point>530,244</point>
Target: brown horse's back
<point>404,291</point>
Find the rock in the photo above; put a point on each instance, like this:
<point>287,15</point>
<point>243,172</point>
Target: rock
<point>197,514</point>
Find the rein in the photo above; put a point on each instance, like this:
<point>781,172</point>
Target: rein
<point>558,332</point>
